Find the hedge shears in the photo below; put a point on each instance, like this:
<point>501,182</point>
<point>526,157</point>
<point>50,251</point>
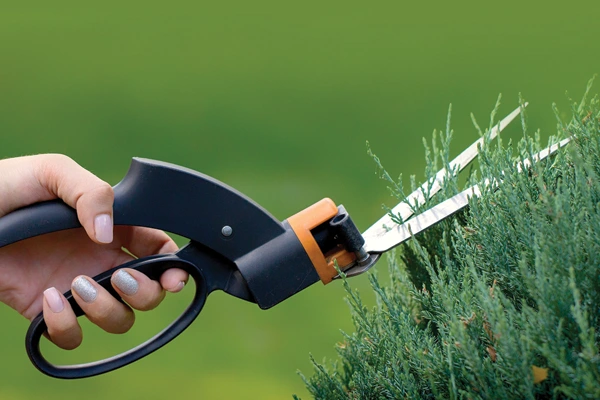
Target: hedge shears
<point>235,245</point>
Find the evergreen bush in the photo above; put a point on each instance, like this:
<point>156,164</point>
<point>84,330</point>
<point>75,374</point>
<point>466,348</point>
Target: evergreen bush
<point>501,301</point>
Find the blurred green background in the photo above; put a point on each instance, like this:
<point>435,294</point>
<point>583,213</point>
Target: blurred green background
<point>276,99</point>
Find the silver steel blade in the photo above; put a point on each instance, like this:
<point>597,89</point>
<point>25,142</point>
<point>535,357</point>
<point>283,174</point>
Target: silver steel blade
<point>397,234</point>
<point>405,209</point>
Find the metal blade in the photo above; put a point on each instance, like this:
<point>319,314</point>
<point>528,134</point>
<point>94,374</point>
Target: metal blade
<point>398,234</point>
<point>401,233</point>
<point>405,209</point>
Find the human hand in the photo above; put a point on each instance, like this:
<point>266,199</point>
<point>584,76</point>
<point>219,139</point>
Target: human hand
<point>53,263</point>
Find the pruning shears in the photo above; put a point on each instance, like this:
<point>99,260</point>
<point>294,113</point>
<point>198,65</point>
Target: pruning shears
<point>235,245</point>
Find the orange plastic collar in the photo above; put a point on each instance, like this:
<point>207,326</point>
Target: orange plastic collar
<point>303,222</point>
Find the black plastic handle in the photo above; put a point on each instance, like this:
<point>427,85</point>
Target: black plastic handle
<point>175,199</point>
<point>164,196</point>
<point>235,245</point>
<point>152,266</point>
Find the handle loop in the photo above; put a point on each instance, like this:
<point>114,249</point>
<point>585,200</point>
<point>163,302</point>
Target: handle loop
<point>152,266</point>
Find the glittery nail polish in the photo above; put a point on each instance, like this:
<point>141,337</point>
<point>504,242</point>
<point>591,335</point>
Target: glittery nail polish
<point>85,289</point>
<point>125,282</point>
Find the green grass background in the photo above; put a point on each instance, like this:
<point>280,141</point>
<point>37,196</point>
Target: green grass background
<point>276,99</point>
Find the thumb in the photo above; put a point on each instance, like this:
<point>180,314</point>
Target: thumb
<point>44,177</point>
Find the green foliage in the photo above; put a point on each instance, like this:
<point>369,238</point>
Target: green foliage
<point>501,301</point>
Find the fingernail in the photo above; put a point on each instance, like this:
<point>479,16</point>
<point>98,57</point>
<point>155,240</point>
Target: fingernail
<point>178,288</point>
<point>54,300</point>
<point>125,282</point>
<point>103,228</point>
<point>85,289</point>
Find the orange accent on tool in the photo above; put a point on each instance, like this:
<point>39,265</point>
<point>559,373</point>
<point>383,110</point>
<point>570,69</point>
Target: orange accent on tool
<point>341,255</point>
<point>302,223</point>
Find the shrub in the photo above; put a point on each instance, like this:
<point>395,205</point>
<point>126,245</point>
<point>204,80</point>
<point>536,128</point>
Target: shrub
<point>499,301</point>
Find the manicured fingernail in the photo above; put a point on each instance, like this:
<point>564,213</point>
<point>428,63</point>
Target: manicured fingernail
<point>125,282</point>
<point>54,300</point>
<point>103,228</point>
<point>85,289</point>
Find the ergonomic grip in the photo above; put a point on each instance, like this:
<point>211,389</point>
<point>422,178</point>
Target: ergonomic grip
<point>175,199</point>
<point>235,245</point>
<point>164,196</point>
<point>152,266</point>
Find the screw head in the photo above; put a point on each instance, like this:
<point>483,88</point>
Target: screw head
<point>226,231</point>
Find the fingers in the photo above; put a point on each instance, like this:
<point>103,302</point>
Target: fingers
<point>139,291</point>
<point>63,328</point>
<point>174,279</point>
<point>143,242</point>
<point>101,307</point>
<point>93,198</point>
<point>32,179</point>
